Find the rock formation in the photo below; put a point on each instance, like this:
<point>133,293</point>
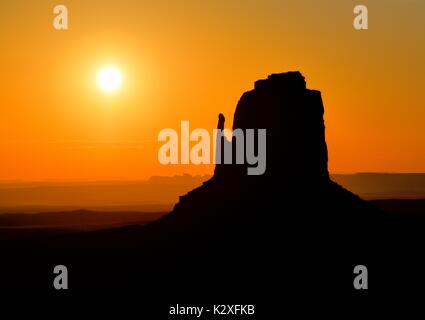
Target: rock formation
<point>296,155</point>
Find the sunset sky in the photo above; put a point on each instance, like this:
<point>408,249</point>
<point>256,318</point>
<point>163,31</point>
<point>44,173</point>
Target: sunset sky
<point>192,59</point>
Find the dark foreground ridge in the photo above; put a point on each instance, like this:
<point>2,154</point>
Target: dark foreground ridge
<point>290,232</point>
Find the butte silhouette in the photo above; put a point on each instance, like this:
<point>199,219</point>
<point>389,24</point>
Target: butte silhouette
<point>291,228</point>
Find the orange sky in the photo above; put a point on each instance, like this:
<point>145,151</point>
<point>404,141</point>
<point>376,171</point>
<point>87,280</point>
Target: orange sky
<point>190,60</point>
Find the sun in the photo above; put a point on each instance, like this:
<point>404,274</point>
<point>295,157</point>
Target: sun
<point>109,79</point>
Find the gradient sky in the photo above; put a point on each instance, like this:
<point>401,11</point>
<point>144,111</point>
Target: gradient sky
<point>190,60</point>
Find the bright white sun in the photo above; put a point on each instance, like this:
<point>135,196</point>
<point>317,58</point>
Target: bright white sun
<point>109,79</point>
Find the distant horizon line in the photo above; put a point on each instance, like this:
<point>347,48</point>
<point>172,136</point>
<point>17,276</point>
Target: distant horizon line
<point>183,175</point>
